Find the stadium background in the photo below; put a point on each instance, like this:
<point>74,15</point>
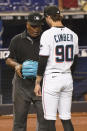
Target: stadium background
<point>13,15</point>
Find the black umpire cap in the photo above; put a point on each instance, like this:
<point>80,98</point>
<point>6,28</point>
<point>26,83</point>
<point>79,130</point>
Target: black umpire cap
<point>51,10</point>
<point>35,19</point>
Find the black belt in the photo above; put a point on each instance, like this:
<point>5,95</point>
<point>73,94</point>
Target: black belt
<point>61,72</point>
<point>32,79</point>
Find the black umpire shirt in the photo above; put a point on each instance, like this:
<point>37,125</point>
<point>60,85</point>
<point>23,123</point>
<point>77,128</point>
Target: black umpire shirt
<point>24,47</point>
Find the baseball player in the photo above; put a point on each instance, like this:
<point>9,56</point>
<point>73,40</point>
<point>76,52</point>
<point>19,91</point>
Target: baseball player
<point>24,54</point>
<point>58,48</point>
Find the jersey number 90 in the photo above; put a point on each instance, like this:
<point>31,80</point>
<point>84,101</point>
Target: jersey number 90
<point>64,53</point>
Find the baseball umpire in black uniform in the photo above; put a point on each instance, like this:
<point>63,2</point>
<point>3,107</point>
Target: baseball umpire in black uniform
<point>23,47</point>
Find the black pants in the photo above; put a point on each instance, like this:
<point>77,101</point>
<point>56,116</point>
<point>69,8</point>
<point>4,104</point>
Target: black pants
<point>23,95</point>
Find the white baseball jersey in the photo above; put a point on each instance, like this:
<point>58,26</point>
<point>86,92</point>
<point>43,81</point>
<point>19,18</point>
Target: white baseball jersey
<point>61,45</point>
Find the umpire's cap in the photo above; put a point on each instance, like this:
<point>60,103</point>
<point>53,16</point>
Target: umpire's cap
<point>35,19</point>
<point>51,10</point>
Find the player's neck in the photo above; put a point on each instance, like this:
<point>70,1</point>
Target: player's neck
<point>58,23</point>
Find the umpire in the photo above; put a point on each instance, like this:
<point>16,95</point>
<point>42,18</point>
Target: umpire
<point>25,46</point>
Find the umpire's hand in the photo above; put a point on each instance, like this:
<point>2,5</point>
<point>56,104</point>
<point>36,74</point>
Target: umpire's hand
<point>18,69</point>
<point>37,89</point>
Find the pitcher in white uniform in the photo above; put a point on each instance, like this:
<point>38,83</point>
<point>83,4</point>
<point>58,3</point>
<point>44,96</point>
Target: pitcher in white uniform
<point>58,49</point>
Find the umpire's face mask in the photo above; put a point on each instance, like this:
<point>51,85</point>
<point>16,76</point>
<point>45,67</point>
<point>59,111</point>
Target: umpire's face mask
<point>33,31</point>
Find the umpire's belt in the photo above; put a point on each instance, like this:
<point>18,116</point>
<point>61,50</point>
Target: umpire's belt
<point>32,79</point>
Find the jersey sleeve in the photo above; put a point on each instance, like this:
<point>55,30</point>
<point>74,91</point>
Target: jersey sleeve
<point>76,50</point>
<point>11,49</point>
<point>44,45</point>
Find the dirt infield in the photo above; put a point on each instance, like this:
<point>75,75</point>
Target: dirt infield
<point>79,121</point>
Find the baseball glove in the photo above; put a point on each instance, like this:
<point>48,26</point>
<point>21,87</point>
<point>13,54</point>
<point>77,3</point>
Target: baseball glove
<point>29,69</point>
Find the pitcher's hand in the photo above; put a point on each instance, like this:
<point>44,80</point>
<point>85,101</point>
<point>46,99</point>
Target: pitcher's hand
<point>37,90</point>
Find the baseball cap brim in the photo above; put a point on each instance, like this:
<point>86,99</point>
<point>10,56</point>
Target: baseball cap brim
<point>35,23</point>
